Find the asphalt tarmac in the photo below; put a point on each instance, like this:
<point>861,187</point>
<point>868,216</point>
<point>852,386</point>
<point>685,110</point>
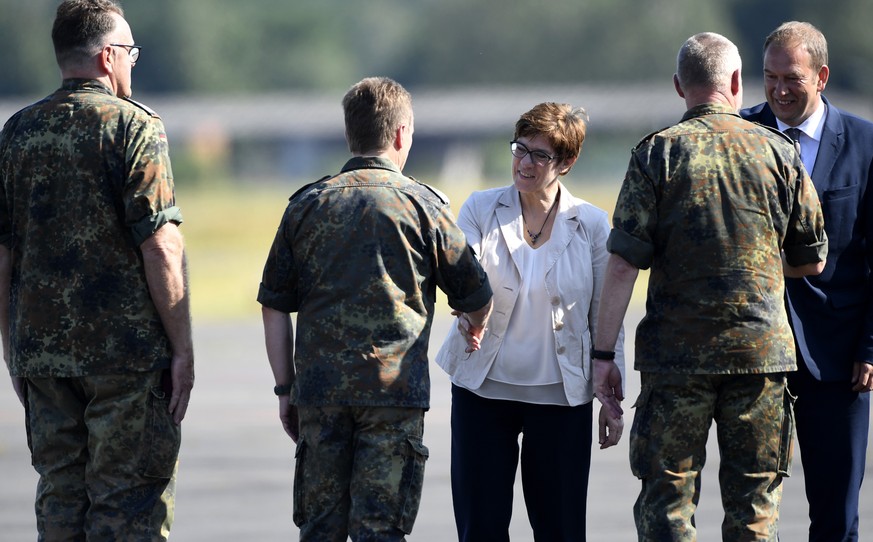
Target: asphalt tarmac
<point>236,464</point>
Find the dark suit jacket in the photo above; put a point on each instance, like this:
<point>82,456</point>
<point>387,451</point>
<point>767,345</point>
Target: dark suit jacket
<point>832,314</point>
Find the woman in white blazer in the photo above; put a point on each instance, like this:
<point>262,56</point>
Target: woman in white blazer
<point>545,254</point>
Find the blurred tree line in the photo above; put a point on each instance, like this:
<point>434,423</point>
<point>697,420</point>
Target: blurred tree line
<point>235,47</point>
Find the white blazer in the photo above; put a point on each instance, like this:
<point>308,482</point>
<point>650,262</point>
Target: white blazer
<point>492,222</point>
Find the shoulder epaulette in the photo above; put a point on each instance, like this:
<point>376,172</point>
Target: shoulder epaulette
<point>648,137</point>
<point>306,187</point>
<point>147,109</point>
<point>442,197</point>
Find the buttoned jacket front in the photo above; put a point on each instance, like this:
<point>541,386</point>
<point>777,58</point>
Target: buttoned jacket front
<point>577,256</point>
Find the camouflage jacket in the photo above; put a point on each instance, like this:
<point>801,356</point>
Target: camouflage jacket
<point>359,257</point>
<point>84,178</point>
<point>709,204</point>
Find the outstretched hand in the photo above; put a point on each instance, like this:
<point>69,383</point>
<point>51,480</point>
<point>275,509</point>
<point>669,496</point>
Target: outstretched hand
<point>472,333</point>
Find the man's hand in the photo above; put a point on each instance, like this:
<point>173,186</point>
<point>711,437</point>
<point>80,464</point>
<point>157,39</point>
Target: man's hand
<point>20,388</point>
<point>182,374</point>
<point>607,386</point>
<point>288,416</point>
<point>862,377</point>
<point>610,428</point>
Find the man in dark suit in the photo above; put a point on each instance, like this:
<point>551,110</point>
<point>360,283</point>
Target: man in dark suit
<point>832,313</point>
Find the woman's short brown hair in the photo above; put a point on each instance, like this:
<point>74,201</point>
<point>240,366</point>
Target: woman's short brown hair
<point>561,124</point>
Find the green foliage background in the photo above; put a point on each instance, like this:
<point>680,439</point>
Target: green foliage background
<point>233,47</point>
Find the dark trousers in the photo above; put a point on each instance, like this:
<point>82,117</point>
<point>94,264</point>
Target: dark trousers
<point>832,425</point>
<point>555,458</point>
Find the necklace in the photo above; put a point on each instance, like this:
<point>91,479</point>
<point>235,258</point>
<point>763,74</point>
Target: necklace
<point>535,236</point>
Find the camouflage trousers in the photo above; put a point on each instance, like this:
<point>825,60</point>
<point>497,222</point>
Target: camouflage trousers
<point>106,451</point>
<point>359,472</point>
<point>755,427</point>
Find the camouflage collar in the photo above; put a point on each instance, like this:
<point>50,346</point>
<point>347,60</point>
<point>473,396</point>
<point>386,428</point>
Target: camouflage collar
<point>370,162</point>
<point>85,84</point>
<point>709,109</point>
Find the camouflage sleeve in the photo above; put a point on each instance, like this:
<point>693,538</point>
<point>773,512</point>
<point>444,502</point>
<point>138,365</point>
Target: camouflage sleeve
<point>149,198</point>
<point>278,288</point>
<point>5,222</point>
<point>143,229</point>
<point>634,217</point>
<point>459,273</point>
<point>805,240</point>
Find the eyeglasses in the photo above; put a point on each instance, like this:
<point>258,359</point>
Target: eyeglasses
<point>519,150</point>
<point>132,50</point>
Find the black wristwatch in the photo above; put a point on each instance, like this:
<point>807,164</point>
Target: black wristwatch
<point>284,389</point>
<point>604,355</point>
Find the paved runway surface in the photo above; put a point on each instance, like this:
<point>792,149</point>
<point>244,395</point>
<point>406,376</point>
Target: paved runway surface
<point>236,465</point>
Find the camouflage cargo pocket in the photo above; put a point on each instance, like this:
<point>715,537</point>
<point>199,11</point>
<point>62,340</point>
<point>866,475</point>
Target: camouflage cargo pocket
<point>298,514</point>
<point>639,440</point>
<point>786,445</point>
<point>161,437</point>
<point>412,482</point>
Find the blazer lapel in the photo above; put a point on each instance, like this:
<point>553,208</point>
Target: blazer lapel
<point>508,212</point>
<point>564,228</point>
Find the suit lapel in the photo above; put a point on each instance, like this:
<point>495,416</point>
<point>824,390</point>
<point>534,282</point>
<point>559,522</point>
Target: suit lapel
<point>829,148</point>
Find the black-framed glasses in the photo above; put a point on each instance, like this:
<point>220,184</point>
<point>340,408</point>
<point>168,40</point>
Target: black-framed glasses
<point>132,50</point>
<point>519,150</point>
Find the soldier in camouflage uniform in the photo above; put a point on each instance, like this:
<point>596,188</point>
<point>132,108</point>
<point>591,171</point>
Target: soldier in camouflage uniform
<point>93,294</point>
<point>719,208</point>
<point>358,256</point>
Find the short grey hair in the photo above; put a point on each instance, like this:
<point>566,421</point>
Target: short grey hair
<point>707,60</point>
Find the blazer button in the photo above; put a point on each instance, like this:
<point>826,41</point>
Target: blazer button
<point>556,301</point>
<point>559,326</point>
<point>561,350</point>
